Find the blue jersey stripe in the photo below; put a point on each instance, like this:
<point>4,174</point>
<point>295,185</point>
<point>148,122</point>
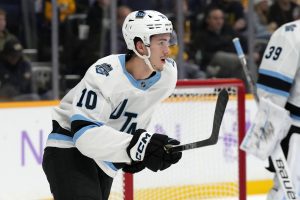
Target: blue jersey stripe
<point>276,75</point>
<point>110,165</point>
<point>295,117</point>
<point>58,136</point>
<point>82,131</point>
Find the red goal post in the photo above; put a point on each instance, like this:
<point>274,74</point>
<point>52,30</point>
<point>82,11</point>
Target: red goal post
<point>214,172</point>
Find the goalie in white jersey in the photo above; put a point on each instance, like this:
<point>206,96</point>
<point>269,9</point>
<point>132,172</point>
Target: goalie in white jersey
<point>98,125</point>
<point>279,82</point>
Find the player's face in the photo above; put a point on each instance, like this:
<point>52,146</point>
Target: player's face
<point>159,48</point>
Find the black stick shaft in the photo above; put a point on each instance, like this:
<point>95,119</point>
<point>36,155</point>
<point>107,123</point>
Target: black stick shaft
<point>213,139</point>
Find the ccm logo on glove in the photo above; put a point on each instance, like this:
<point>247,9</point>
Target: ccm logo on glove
<point>142,146</point>
<point>150,150</point>
<point>138,151</point>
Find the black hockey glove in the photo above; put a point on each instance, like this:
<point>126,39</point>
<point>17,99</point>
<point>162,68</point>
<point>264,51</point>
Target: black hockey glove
<point>134,167</point>
<point>150,148</point>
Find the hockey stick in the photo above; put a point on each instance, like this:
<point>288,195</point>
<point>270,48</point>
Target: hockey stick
<point>213,139</point>
<point>277,157</point>
<point>243,61</point>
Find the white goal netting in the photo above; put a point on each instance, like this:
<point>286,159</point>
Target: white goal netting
<point>213,172</point>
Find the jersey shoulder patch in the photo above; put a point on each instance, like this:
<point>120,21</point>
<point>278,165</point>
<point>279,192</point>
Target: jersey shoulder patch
<point>103,72</point>
<point>290,27</point>
<point>103,69</point>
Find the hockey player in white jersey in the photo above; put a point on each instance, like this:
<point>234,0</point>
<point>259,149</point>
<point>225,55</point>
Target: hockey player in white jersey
<point>279,83</point>
<point>98,127</point>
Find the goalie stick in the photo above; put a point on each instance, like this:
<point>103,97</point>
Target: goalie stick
<point>277,157</point>
<point>213,139</point>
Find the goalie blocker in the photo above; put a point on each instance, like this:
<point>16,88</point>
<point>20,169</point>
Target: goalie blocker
<point>270,126</point>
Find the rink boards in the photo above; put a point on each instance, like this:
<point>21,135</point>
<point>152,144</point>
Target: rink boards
<point>23,132</point>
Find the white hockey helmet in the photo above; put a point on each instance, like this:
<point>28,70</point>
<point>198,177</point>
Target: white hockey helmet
<point>143,24</point>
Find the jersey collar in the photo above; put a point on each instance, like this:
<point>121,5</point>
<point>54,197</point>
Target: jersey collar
<point>140,84</point>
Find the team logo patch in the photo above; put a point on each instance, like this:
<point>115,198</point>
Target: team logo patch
<point>140,14</point>
<point>103,69</point>
<point>290,27</point>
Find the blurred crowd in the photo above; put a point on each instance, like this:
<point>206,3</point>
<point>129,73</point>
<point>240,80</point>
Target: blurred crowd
<point>84,32</point>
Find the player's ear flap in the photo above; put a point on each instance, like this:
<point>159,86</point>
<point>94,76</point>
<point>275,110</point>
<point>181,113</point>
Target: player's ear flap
<point>140,47</point>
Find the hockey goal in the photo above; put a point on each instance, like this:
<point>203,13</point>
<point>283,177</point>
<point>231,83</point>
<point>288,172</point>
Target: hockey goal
<point>213,172</point>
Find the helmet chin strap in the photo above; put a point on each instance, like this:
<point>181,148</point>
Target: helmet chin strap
<point>145,58</point>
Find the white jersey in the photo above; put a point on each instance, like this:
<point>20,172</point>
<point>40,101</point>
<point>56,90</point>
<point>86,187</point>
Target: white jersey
<point>96,115</point>
<point>279,72</point>
<point>279,81</point>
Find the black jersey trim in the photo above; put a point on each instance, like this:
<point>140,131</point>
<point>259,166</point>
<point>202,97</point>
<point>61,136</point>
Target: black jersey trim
<point>274,82</point>
<point>58,129</point>
<point>80,124</point>
<point>294,110</point>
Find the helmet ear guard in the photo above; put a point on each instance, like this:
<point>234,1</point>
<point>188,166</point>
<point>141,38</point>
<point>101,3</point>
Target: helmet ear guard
<point>144,24</point>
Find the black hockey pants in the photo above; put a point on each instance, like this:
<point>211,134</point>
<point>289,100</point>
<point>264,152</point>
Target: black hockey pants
<point>73,176</point>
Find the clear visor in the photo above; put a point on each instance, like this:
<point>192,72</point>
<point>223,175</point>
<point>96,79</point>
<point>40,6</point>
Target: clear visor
<point>173,39</point>
<point>171,42</point>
